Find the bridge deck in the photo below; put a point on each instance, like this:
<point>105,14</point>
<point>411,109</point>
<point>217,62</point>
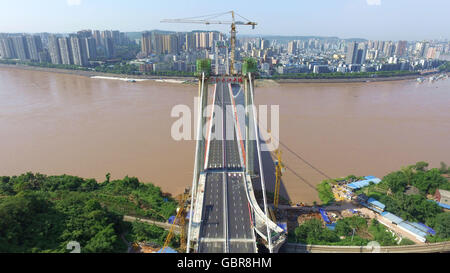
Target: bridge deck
<point>226,219</point>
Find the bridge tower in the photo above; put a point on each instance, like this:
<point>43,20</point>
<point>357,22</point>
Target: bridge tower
<point>249,67</point>
<point>203,73</point>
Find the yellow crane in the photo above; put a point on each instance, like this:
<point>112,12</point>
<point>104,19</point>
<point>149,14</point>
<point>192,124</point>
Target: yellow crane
<point>279,170</point>
<point>278,173</point>
<point>207,21</point>
<point>181,218</point>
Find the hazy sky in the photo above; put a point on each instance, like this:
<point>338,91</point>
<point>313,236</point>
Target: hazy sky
<point>371,19</point>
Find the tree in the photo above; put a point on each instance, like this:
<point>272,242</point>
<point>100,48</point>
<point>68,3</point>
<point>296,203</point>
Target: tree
<point>40,213</point>
<point>312,232</point>
<point>421,166</point>
<point>345,226</point>
<point>381,235</point>
<point>396,181</point>
<point>444,169</point>
<point>441,225</point>
<point>325,192</point>
<point>411,207</point>
<point>104,241</point>
<point>428,181</point>
<point>408,173</point>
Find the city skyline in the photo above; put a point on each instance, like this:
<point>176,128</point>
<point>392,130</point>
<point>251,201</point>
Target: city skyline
<point>367,19</point>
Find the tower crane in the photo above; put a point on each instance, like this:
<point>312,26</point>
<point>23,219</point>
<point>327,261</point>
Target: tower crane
<point>207,21</point>
<point>278,173</point>
<point>279,170</point>
<point>181,217</point>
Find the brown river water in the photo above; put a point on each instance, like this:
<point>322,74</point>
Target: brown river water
<point>56,123</point>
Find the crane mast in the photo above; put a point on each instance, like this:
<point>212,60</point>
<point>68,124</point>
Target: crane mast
<point>278,174</point>
<point>233,44</point>
<point>233,23</point>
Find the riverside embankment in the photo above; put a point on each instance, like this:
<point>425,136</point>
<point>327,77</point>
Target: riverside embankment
<point>90,73</point>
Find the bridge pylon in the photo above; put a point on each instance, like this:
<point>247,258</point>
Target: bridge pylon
<point>203,72</point>
<point>249,132</point>
<point>248,69</point>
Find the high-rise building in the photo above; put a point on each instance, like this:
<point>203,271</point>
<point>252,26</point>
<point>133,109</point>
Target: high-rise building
<point>292,47</point>
<point>79,51</point>
<point>84,33</point>
<point>66,50</point>
<point>264,44</point>
<point>53,48</point>
<point>109,47</point>
<point>352,53</point>
<point>106,34</point>
<point>44,56</point>
<point>146,43</point>
<point>44,39</point>
<point>158,43</point>
<point>34,45</point>
<point>190,42</point>
<point>361,55</point>
<point>170,44</point>
<point>432,53</point>
<point>7,50</point>
<point>20,47</point>
<point>115,35</point>
<point>400,49</point>
<point>98,37</point>
<point>389,49</point>
<point>91,46</point>
<point>203,40</point>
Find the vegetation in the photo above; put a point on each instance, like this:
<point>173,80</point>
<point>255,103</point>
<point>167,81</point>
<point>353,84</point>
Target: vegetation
<point>41,213</point>
<point>142,232</point>
<point>122,68</point>
<point>171,73</point>
<point>392,191</point>
<point>381,234</point>
<point>325,192</point>
<point>427,181</point>
<point>32,223</point>
<point>47,65</point>
<point>340,75</point>
<point>118,68</point>
<point>349,231</point>
<point>406,242</point>
<point>345,227</point>
<point>415,207</point>
<point>313,232</point>
<point>441,224</point>
<point>445,67</point>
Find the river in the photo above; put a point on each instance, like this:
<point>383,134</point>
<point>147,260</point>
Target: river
<point>57,123</point>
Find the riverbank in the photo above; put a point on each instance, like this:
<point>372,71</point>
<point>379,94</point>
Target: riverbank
<point>349,80</point>
<point>177,79</point>
<point>94,73</point>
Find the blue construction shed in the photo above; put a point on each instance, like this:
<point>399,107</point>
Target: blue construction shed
<point>392,217</point>
<point>324,216</point>
<point>424,228</point>
<point>376,204</point>
<point>363,183</point>
<point>167,250</point>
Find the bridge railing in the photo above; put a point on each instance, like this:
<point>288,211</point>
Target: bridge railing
<point>422,248</point>
<point>197,164</point>
<point>261,217</point>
